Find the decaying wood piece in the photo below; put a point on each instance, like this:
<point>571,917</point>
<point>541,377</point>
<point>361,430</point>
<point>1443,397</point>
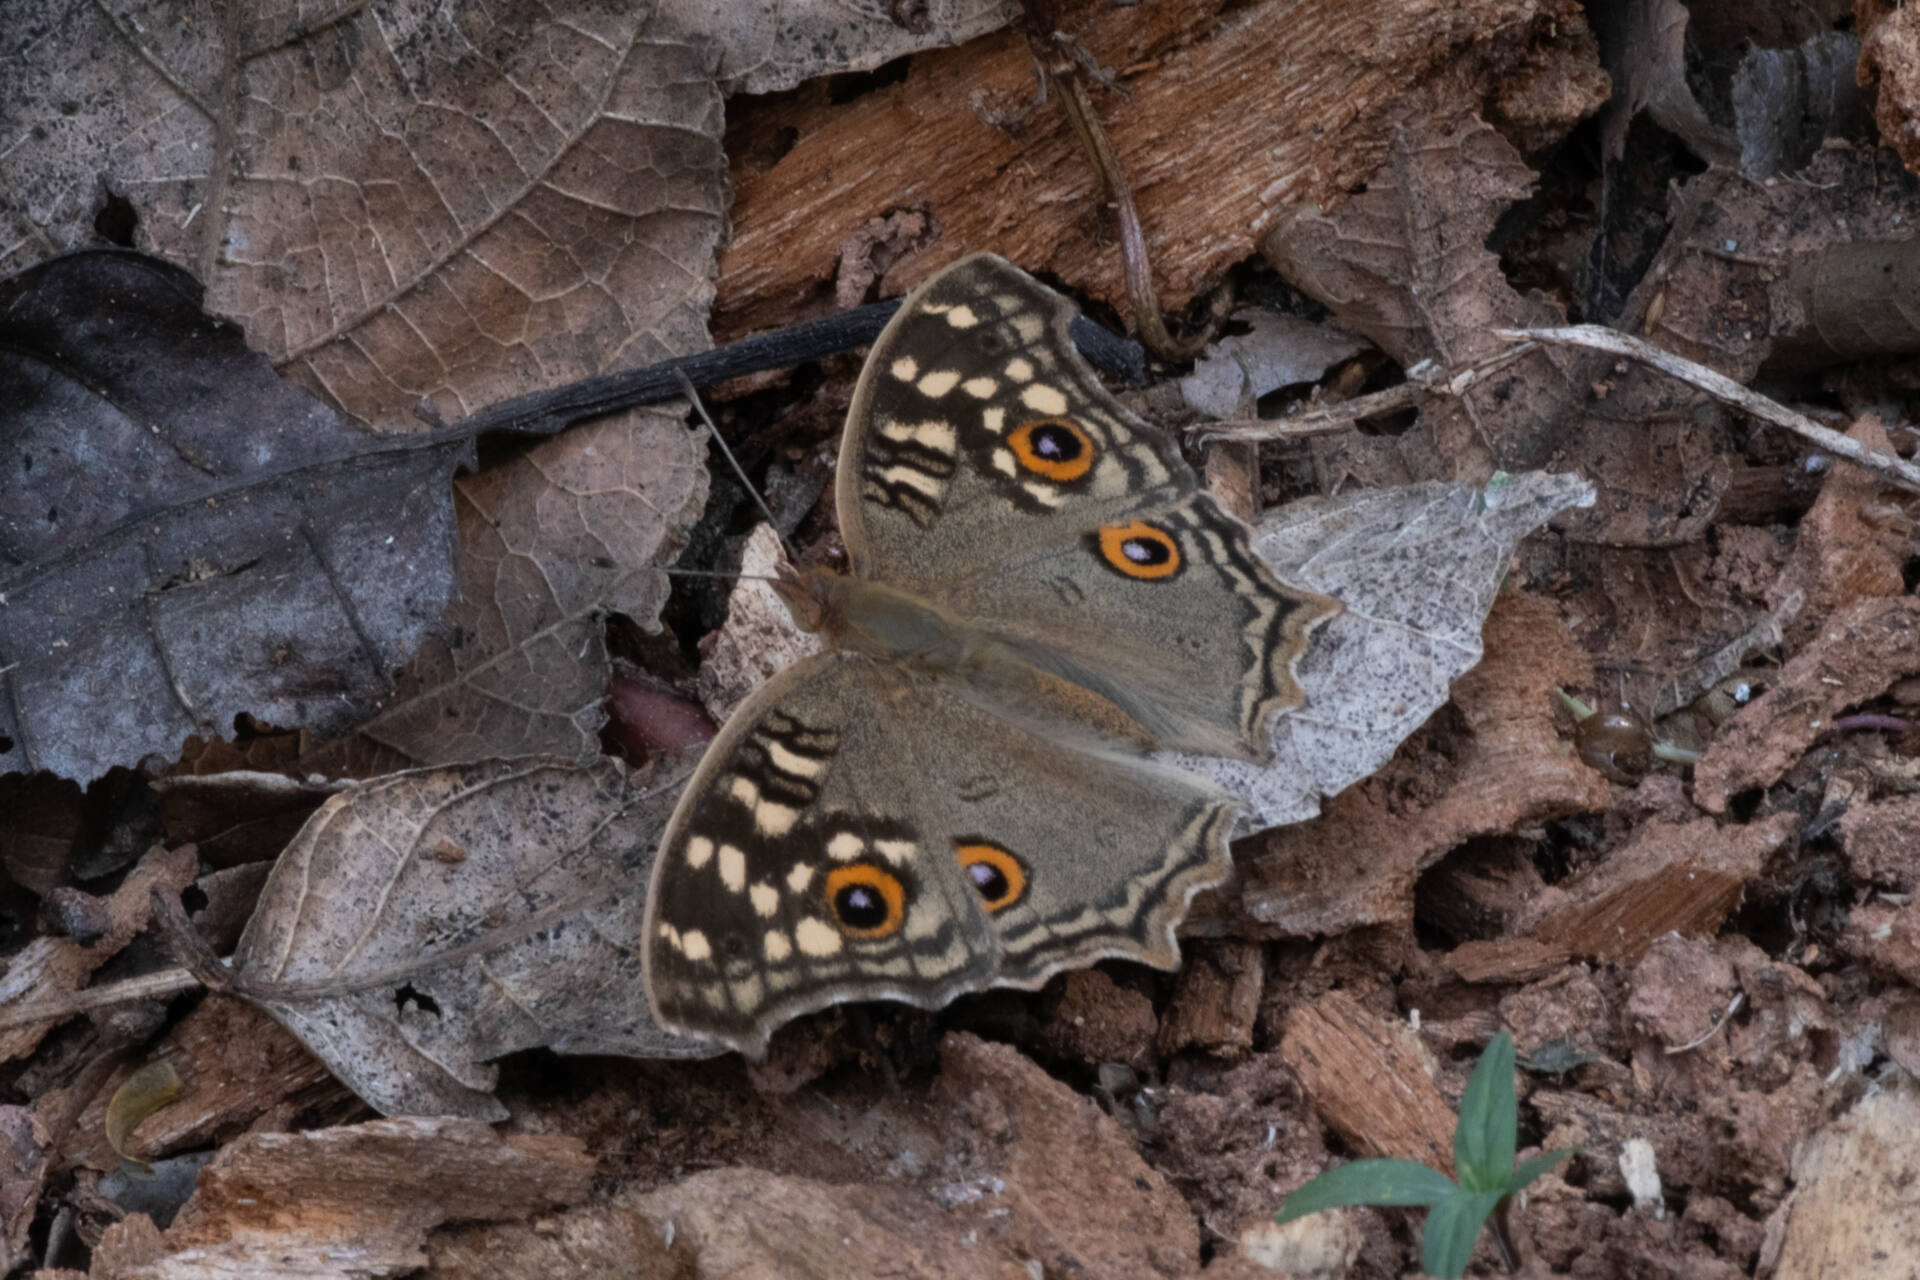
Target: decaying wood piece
<point>1217,1000</point>
<point>1370,1079</point>
<point>356,1200</point>
<point>1668,879</point>
<point>1854,1213</point>
<point>1275,104</point>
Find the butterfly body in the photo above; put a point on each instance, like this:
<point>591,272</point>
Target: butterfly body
<point>957,795</point>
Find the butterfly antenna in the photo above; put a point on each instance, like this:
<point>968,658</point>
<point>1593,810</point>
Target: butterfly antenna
<point>713,433</point>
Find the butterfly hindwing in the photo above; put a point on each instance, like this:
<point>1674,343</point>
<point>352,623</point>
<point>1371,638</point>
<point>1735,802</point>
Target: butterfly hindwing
<point>822,855</point>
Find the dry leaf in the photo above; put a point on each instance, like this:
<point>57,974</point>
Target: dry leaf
<point>1417,569</point>
<point>550,541</point>
<point>252,552</point>
<point>1405,264</point>
<point>406,969</point>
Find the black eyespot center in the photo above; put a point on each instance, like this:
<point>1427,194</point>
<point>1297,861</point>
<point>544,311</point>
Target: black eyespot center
<point>989,880</point>
<point>860,906</point>
<point>1056,443</point>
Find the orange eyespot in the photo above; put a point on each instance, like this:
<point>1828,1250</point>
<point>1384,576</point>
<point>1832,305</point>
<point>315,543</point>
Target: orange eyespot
<point>1053,447</point>
<point>1139,550</point>
<point>867,901</point>
<point>1000,878</point>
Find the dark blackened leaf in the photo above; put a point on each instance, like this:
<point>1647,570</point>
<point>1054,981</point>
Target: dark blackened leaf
<point>183,536</point>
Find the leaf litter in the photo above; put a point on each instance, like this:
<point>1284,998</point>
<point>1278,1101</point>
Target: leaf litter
<point>1481,879</point>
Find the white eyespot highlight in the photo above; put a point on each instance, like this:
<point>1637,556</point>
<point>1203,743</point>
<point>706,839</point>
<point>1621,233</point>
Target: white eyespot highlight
<point>816,937</point>
<point>904,369</point>
<point>799,878</point>
<point>1020,369</point>
<point>895,851</point>
<point>994,420</point>
<point>765,899</point>
<point>770,819</point>
<point>962,317</point>
<point>1042,398</point>
<point>699,849</point>
<point>745,790</point>
<point>1003,462</point>
<point>792,762</point>
<point>693,945</point>
<point>733,868</point>
<point>776,945</point>
<point>937,383</point>
<point>845,847</point>
<point>980,388</point>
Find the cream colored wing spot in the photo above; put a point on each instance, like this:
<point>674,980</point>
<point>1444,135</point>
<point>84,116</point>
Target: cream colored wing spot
<point>733,868</point>
<point>1044,493</point>
<point>694,946</point>
<point>994,420</point>
<point>905,368</point>
<point>765,899</point>
<point>745,790</point>
<point>962,317</point>
<point>935,435</point>
<point>799,878</point>
<point>1020,369</point>
<point>1042,398</point>
<point>774,820</point>
<point>1029,326</point>
<point>845,847</point>
<point>746,992</point>
<point>895,851</point>
<point>980,388</point>
<point>1003,462</point>
<point>913,479</point>
<point>937,383</point>
<point>670,934</point>
<point>816,937</point>
<point>776,946</point>
<point>699,849</point>
<point>792,762</point>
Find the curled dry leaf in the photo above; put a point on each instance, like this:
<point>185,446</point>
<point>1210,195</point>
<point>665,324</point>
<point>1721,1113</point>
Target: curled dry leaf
<point>186,537</point>
<point>139,1096</point>
<point>1417,569</point>
<point>424,923</point>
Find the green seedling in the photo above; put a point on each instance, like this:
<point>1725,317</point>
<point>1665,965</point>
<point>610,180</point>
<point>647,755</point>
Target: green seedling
<point>1483,1147</point>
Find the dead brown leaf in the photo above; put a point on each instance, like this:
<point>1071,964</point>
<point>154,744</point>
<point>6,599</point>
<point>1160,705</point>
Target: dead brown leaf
<point>550,542</point>
<point>407,970</point>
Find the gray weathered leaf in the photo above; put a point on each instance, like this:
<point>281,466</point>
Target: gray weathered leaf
<point>183,536</point>
<point>425,923</point>
<point>1417,569</point>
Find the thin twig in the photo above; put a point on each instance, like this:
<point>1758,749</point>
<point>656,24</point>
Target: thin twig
<point>1329,419</point>
<point>1733,1007</point>
<point>1065,72</point>
<point>149,986</point>
<point>1893,470</point>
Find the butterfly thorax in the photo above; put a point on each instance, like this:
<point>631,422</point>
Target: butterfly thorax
<point>871,618</point>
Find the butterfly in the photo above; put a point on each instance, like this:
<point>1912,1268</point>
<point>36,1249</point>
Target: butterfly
<point>957,794</point>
